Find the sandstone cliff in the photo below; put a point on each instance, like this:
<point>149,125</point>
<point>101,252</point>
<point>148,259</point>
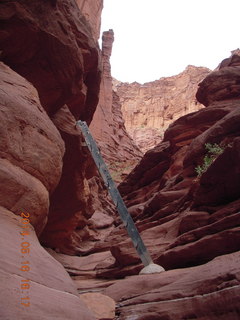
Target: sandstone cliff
<point>150,108</point>
<point>44,171</point>
<point>91,10</point>
<point>108,128</point>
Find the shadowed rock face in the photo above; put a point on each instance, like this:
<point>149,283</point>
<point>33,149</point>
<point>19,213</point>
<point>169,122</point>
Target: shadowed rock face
<point>222,84</point>
<point>189,223</point>
<point>149,108</point>
<point>31,150</point>
<point>50,44</point>
<point>78,196</point>
<point>55,48</point>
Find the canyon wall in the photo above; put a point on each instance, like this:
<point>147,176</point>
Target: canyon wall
<point>148,109</point>
<point>188,221</point>
<point>51,193</point>
<point>55,51</point>
<point>108,128</point>
<point>92,10</point>
<point>52,46</point>
<point>50,76</point>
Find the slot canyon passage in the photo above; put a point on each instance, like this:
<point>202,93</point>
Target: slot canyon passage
<point>65,253</point>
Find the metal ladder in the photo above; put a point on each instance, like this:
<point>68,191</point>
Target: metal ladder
<point>115,195</point>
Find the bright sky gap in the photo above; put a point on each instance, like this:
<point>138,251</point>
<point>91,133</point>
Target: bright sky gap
<point>159,38</point>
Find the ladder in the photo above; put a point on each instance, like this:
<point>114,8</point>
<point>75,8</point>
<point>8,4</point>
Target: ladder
<point>115,195</point>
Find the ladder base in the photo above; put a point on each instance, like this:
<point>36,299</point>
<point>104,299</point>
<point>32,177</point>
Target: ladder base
<point>152,268</point>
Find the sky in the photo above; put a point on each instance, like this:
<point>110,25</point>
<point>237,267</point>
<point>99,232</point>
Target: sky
<point>159,38</point>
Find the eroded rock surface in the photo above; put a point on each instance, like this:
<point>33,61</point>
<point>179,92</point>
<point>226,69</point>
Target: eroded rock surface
<point>92,9</point>
<point>31,149</point>
<point>190,224</point>
<point>80,194</point>
<point>48,284</point>
<point>206,292</point>
<point>50,44</point>
<point>148,109</point>
<point>191,219</point>
<point>54,47</point>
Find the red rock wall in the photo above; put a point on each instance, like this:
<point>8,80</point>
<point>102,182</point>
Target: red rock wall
<point>187,220</point>
<point>44,171</point>
<point>189,223</point>
<point>31,152</point>
<point>150,108</point>
<point>49,43</point>
<point>52,45</point>
<point>92,9</point>
<point>77,197</point>
<point>205,292</point>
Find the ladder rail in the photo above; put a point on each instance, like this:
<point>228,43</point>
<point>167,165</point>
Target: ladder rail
<point>115,195</point>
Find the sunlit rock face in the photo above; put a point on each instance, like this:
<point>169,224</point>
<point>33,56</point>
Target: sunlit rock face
<point>148,109</point>
<point>117,147</point>
<point>92,9</point>
<point>36,279</point>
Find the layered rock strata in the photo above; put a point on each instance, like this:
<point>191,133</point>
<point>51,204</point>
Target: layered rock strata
<point>205,292</point>
<point>168,199</point>
<point>50,44</point>
<point>148,109</point>
<point>189,223</point>
<point>53,47</point>
<point>38,288</point>
<point>117,147</point>
<point>31,152</point>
